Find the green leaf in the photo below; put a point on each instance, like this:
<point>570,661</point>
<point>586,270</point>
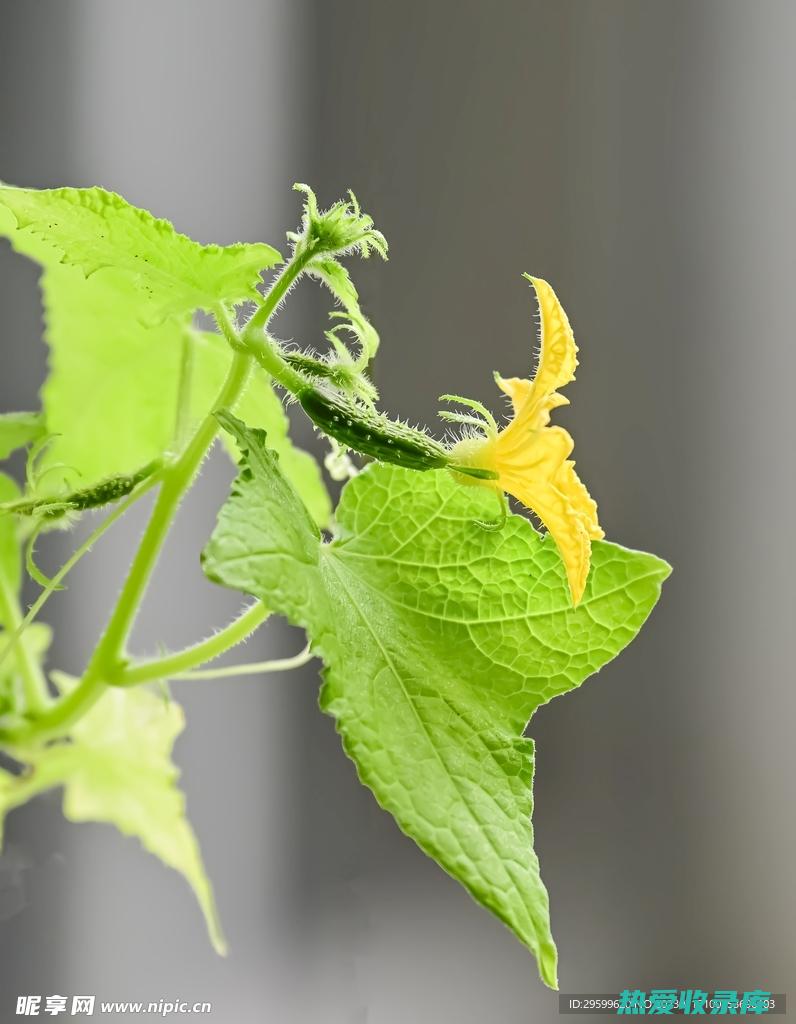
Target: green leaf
<point>18,429</point>
<point>112,273</point>
<point>111,395</point>
<point>118,769</point>
<point>95,230</point>
<point>337,279</point>
<point>440,640</point>
<point>325,234</point>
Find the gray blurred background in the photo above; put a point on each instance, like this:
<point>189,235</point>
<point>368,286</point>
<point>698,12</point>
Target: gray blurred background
<point>641,156</point>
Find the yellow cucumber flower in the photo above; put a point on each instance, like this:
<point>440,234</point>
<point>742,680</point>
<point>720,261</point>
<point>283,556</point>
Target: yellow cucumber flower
<point>530,459</point>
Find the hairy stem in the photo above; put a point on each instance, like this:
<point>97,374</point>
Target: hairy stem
<point>34,685</point>
<point>54,584</point>
<point>266,353</point>
<point>172,665</point>
<point>109,651</point>
<point>178,479</point>
<point>253,337</point>
<point>184,392</point>
<point>291,272</point>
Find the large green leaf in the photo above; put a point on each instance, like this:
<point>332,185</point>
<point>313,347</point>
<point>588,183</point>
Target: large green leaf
<point>94,230</point>
<point>119,291</point>
<point>440,640</point>
<point>118,769</point>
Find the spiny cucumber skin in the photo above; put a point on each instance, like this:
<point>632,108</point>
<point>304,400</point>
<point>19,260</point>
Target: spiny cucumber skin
<point>309,366</point>
<point>103,493</point>
<point>370,434</point>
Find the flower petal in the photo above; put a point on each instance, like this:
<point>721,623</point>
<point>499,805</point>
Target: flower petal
<point>517,388</point>
<point>531,458</point>
<point>534,400</point>
<point>546,482</point>
<point>558,357</point>
<point>570,484</point>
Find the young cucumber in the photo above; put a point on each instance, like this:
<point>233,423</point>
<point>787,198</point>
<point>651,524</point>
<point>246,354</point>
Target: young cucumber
<point>103,493</point>
<point>365,431</point>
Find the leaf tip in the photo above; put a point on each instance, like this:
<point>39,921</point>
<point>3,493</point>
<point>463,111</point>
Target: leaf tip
<point>547,958</point>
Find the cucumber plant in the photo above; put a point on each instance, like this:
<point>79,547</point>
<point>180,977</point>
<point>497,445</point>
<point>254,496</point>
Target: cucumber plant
<point>442,619</point>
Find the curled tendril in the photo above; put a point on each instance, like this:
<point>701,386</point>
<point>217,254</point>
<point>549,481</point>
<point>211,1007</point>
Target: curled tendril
<point>34,571</point>
<point>33,475</point>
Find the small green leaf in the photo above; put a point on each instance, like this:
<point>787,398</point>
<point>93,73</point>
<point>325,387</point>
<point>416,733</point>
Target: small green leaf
<point>440,640</point>
<point>326,234</point>
<point>97,230</point>
<point>337,279</point>
<point>18,429</point>
<point>118,769</point>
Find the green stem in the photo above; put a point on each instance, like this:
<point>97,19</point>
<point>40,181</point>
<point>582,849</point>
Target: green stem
<point>184,392</point>
<point>178,479</point>
<point>268,356</point>
<point>290,274</point>
<point>54,584</point>
<point>172,665</point>
<point>110,648</point>
<point>34,685</point>
<point>253,335</point>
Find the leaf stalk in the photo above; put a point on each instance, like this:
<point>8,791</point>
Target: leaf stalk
<point>172,666</point>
